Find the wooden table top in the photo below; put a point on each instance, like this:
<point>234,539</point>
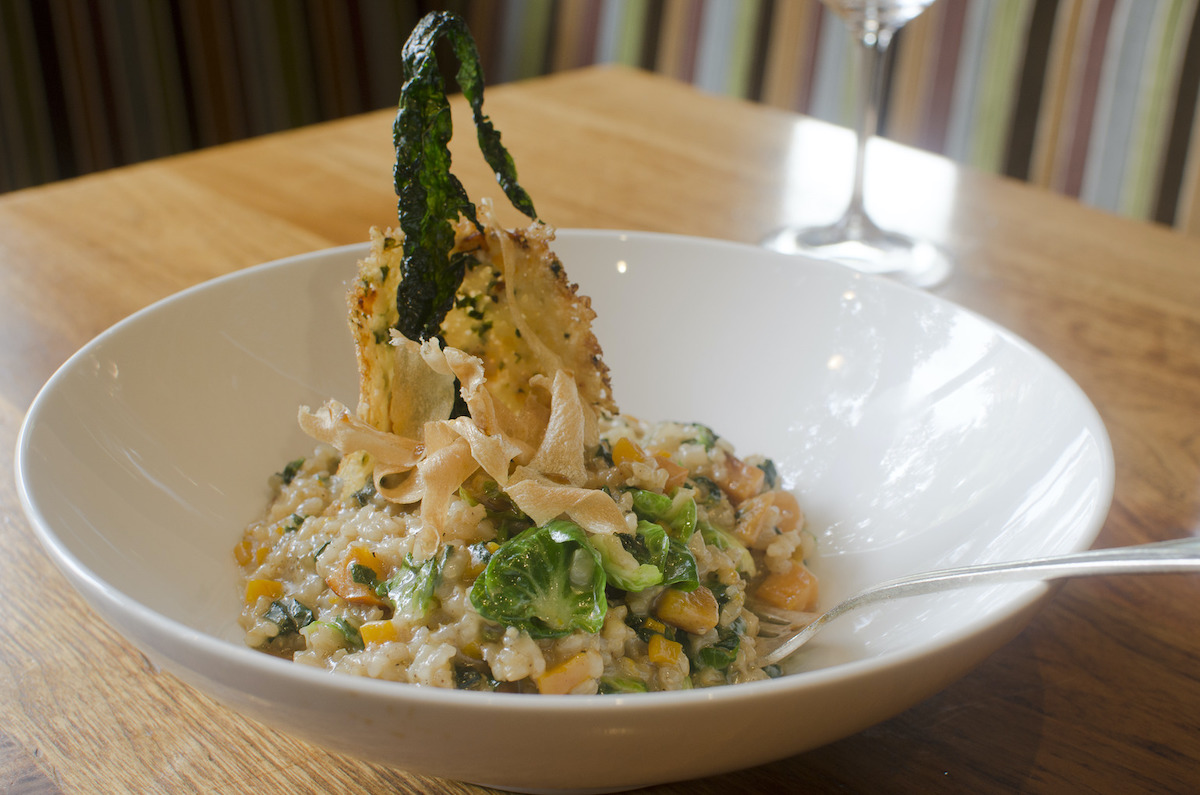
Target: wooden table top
<point>1100,693</point>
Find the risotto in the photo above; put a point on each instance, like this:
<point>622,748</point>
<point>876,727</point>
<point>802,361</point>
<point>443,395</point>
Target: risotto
<point>486,518</point>
<point>614,558</point>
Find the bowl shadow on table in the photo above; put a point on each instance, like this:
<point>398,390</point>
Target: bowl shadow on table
<point>947,741</point>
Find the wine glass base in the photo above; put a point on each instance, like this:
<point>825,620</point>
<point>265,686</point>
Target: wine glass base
<point>871,250</point>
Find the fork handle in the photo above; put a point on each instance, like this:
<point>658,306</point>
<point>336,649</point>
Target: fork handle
<point>1176,555</point>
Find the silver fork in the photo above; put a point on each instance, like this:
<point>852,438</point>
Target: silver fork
<point>782,632</point>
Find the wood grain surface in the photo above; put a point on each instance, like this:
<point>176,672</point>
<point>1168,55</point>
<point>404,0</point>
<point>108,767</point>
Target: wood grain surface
<point>1101,693</point>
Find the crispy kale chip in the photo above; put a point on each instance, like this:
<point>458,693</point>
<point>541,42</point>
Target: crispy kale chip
<point>431,198</point>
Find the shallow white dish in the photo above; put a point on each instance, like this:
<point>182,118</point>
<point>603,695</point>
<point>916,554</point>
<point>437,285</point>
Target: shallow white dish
<point>916,435</point>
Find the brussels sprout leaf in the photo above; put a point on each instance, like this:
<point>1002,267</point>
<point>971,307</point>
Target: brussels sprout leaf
<point>678,515</point>
<point>548,581</point>
<point>649,557</point>
<point>410,589</point>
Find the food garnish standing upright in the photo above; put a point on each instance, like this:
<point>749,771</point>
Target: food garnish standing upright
<point>486,518</point>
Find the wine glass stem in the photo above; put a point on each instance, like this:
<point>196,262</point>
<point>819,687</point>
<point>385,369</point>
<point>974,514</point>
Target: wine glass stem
<point>872,66</point>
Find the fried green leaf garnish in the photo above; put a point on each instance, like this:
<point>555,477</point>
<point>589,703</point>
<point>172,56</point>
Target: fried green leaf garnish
<point>431,198</point>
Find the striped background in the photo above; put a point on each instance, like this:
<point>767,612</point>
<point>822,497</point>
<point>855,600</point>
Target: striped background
<point>1096,99</point>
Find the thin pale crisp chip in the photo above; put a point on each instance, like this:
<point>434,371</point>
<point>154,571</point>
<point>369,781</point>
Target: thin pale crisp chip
<point>543,500</point>
<point>495,453</point>
<point>419,393</point>
<point>561,452</point>
<point>442,471</point>
<point>334,425</point>
<point>401,486</point>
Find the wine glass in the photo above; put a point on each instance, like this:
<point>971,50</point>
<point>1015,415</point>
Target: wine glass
<point>854,239</point>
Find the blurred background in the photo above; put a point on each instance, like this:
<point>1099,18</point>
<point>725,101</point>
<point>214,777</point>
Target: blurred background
<point>1095,99</point>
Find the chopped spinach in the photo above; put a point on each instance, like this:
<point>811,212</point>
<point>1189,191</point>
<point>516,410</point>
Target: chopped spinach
<point>364,495</point>
<point>364,575</point>
<point>605,452</point>
<point>291,470</point>
<point>468,676</point>
<point>480,553</point>
<point>710,492</point>
<point>720,591</point>
<point>723,652</point>
<point>771,473</point>
<point>289,615</point>
<point>646,626</point>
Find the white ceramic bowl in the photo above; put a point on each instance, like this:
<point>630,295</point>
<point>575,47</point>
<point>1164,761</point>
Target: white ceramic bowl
<point>915,433</point>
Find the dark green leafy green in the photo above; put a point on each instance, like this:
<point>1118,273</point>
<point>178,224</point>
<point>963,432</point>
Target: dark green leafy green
<point>291,470</point>
<point>364,575</point>
<point>289,615</point>
<point>642,627</point>
<point>431,198</point>
<point>770,473</point>
<point>604,452</point>
<point>468,676</point>
<point>723,652</point>
<point>548,581</point>
<point>720,591</point>
<point>364,495</point>
<point>709,493</point>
